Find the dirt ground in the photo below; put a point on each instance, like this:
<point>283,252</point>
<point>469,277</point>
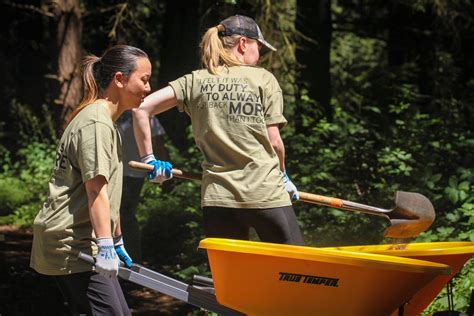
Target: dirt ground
<point>25,292</point>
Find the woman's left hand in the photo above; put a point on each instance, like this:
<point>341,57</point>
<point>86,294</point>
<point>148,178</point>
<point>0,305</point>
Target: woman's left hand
<point>290,188</point>
<point>121,252</point>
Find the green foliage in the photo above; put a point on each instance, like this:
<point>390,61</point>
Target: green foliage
<point>391,131</point>
<point>171,229</point>
<point>456,224</point>
<point>171,222</point>
<point>462,285</point>
<point>12,194</point>
<point>325,160</point>
<point>33,170</point>
<point>26,172</point>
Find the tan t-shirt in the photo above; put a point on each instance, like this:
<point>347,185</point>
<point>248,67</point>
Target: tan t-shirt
<point>230,113</point>
<point>89,146</point>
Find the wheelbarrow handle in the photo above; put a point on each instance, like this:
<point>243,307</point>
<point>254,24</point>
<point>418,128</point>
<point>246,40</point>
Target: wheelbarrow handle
<point>184,292</point>
<point>86,258</point>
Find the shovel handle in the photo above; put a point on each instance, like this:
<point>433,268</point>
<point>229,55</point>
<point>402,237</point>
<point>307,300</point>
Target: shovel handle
<point>176,172</point>
<point>304,196</point>
<point>342,204</point>
<point>406,219</point>
<point>320,200</point>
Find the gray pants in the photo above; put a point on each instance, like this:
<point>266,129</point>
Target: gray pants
<point>90,293</point>
<point>277,225</point>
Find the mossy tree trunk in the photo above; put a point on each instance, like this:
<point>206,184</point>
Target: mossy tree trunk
<point>69,48</point>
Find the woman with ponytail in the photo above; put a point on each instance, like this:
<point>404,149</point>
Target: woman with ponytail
<point>81,213</point>
<point>236,111</point>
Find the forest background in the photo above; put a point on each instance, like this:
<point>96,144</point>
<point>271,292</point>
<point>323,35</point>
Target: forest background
<point>378,95</point>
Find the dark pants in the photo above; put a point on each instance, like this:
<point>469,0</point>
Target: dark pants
<point>90,293</point>
<point>128,220</point>
<point>276,225</point>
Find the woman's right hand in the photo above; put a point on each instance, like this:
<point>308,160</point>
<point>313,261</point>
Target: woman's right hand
<point>162,170</point>
<point>107,260</point>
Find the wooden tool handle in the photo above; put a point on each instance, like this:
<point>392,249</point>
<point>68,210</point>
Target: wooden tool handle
<point>304,196</point>
<point>320,200</point>
<point>176,172</point>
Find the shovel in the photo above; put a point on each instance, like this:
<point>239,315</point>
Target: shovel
<point>412,214</point>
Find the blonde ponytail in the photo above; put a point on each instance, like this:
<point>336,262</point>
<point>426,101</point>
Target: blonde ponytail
<point>91,90</point>
<point>216,51</point>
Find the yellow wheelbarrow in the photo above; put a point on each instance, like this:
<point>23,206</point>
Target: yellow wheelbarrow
<point>454,254</point>
<point>257,278</point>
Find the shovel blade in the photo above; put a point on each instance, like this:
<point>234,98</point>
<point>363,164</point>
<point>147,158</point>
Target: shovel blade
<point>412,215</point>
<point>406,228</point>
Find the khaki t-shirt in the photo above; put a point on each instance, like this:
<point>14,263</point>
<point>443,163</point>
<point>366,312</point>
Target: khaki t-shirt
<point>230,113</point>
<point>90,146</point>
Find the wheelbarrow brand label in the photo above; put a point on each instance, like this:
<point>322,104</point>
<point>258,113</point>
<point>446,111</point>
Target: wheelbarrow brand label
<point>309,279</point>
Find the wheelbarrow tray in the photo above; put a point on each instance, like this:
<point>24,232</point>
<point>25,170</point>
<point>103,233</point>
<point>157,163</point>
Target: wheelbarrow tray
<point>454,254</point>
<point>259,278</point>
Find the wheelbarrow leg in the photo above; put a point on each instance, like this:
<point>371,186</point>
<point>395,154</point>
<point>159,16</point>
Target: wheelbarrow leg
<point>401,310</point>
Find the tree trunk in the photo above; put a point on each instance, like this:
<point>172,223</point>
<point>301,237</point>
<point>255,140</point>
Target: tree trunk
<point>69,45</point>
<point>398,21</point>
<point>179,56</point>
<point>314,21</point>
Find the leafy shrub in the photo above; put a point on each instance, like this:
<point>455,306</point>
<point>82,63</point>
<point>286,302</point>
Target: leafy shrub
<point>26,165</point>
<point>462,285</point>
<point>171,228</point>
<point>388,133</point>
<point>12,195</point>
<point>24,183</point>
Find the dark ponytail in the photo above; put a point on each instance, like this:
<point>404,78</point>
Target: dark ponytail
<point>97,73</point>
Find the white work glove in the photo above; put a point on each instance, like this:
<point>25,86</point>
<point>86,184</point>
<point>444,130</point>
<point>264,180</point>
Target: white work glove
<point>162,169</point>
<point>106,261</point>
<point>290,188</point>
<point>121,252</point>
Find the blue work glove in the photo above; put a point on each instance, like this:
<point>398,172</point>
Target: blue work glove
<point>162,169</point>
<point>121,252</point>
<point>106,261</point>
<point>290,188</point>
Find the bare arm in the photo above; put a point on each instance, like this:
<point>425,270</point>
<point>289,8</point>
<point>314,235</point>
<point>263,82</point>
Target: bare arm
<point>99,207</point>
<point>157,102</point>
<point>277,143</point>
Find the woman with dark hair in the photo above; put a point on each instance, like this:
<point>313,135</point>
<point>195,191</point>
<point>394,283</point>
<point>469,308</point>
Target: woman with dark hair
<point>236,111</point>
<point>81,213</point>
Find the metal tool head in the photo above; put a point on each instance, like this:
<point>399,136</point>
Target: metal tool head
<point>413,214</point>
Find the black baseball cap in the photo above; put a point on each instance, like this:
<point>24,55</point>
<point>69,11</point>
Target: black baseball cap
<point>243,25</point>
